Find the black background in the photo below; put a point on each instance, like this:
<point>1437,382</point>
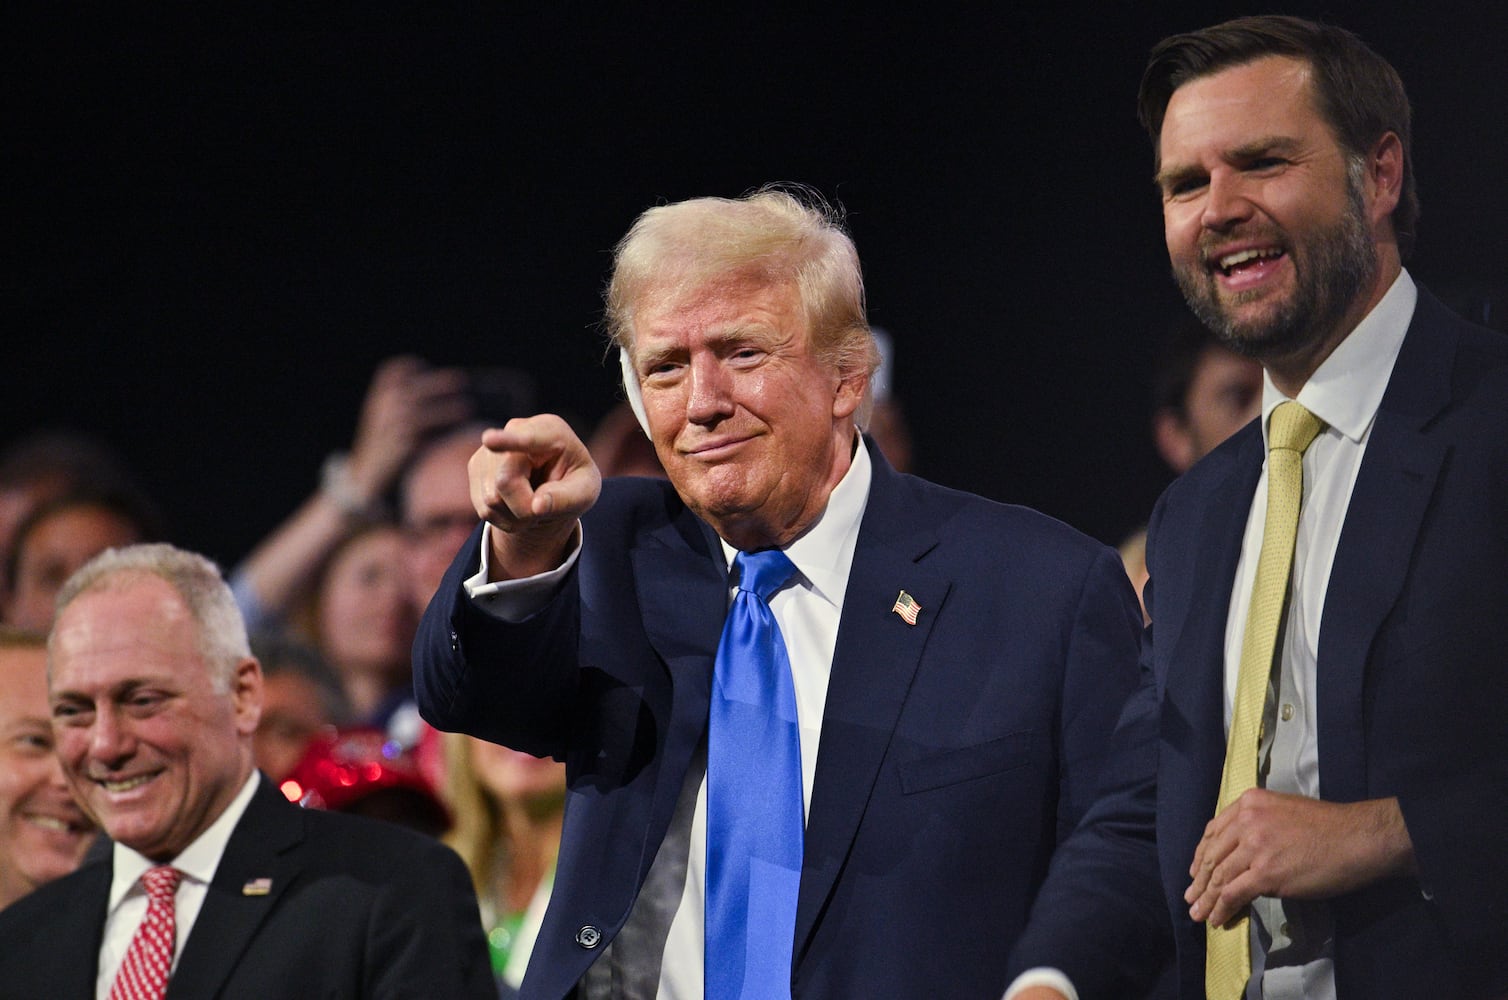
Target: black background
<point>218,223</point>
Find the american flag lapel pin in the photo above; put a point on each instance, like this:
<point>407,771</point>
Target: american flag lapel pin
<point>907,608</point>
<point>257,887</point>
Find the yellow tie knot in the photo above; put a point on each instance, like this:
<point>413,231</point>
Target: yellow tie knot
<point>1292,428</point>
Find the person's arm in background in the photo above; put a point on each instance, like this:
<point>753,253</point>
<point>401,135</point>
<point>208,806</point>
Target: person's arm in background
<point>406,402</point>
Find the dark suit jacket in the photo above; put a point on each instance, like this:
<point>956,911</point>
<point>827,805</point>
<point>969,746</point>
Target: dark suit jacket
<point>1412,678</point>
<point>355,908</point>
<point>954,753</point>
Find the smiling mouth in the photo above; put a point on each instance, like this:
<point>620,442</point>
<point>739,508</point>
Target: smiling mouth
<point>116,786</point>
<point>1232,264</point>
<point>714,448</point>
<point>57,825</point>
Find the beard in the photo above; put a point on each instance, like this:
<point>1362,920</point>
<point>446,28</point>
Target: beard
<point>1331,267</point>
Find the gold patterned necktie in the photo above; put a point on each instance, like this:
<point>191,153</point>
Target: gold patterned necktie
<point>1227,964</point>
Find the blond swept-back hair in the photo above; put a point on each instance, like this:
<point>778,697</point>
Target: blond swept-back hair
<point>772,235</point>
<point>221,629</point>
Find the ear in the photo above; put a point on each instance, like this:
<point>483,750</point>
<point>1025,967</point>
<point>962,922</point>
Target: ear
<point>246,695</point>
<point>1174,443</point>
<point>631,390</point>
<point>849,395</point>
<point>1384,178</point>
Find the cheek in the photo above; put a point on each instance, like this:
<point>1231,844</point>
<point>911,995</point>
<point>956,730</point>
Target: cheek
<point>71,747</point>
<point>12,785</point>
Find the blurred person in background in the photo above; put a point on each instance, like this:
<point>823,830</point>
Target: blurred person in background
<point>301,698</point>
<point>62,534</point>
<point>435,505</point>
<point>43,832</point>
<point>508,808</point>
<point>1202,393</point>
<point>45,465</point>
<point>407,402</point>
<point>364,621</point>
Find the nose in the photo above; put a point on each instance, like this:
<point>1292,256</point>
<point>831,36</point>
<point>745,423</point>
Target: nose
<point>1225,202</point>
<point>708,398</point>
<point>110,742</point>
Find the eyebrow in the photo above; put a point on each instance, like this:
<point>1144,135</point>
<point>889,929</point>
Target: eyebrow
<point>1263,146</point>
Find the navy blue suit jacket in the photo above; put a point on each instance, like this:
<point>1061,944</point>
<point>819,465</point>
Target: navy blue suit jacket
<point>354,909</point>
<point>955,753</point>
<point>1412,683</point>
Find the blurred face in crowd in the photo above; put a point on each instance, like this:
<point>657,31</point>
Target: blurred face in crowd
<point>43,833</point>
<point>1224,395</point>
<point>49,553</point>
<point>516,778</point>
<point>152,746</point>
<point>1269,232</point>
<point>16,503</point>
<point>752,428</point>
<point>437,512</point>
<point>366,611</point>
<point>293,713</point>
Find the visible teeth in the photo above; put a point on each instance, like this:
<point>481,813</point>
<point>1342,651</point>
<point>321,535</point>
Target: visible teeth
<point>1231,260</point>
<point>49,823</point>
<point>126,785</point>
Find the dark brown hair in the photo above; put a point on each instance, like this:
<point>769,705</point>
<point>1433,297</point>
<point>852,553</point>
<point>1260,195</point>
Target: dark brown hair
<point>1359,93</point>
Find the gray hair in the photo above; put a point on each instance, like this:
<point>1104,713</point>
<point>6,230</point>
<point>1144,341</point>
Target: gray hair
<point>197,580</point>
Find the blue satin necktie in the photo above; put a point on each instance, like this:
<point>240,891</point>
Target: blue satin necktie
<point>754,813</point>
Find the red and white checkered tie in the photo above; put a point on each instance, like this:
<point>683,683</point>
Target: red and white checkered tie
<point>144,973</point>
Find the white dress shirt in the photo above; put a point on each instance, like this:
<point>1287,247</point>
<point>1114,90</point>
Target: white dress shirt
<point>128,900</point>
<point>808,611</point>
<point>1345,392</point>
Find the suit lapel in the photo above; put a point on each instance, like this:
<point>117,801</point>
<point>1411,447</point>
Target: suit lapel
<point>875,658</point>
<point>254,872</point>
<point>1193,689</point>
<point>682,582</point>
<point>1393,488</point>
<point>72,961</point>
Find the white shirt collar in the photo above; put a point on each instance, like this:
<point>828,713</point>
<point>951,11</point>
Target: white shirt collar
<point>197,861</point>
<point>824,552</point>
<point>1347,388</point>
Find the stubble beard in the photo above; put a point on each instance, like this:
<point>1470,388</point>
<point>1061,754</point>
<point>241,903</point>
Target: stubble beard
<point>1332,267</point>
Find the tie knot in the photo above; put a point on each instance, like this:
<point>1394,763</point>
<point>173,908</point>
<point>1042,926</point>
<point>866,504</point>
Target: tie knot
<point>764,572</point>
<point>161,883</point>
<point>1292,428</point>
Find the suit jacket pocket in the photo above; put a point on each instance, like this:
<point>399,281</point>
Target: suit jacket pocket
<point>949,767</point>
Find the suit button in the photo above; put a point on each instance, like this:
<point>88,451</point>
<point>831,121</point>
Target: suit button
<point>455,642</point>
<point>589,937</point>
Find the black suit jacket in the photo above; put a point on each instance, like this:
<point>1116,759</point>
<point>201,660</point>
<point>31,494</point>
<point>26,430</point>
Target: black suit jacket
<point>355,908</point>
<point>1412,681</point>
<point>954,754</point>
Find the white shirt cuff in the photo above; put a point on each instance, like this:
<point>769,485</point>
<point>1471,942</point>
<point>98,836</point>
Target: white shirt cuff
<point>515,600</point>
<point>1042,977</point>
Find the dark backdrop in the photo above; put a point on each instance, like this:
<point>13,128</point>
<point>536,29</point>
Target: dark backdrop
<point>216,225</point>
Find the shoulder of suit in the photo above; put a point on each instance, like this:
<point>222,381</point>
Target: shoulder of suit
<point>48,905</point>
<point>991,529</point>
